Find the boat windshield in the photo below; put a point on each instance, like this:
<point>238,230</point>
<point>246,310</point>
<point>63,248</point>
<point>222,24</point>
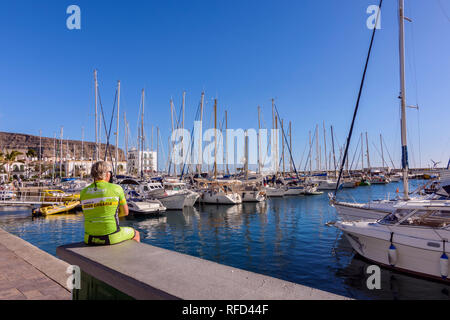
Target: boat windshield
<point>424,218</point>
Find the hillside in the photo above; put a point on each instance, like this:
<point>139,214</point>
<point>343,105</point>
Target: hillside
<point>24,142</point>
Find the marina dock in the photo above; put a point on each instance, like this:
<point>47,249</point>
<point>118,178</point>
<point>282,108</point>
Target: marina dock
<point>28,273</point>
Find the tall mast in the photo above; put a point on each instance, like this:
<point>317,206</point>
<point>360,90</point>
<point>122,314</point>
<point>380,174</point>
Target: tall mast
<point>96,112</point>
<point>246,155</point>
<point>276,145</point>
<point>290,146</point>
<point>325,146</point>
<point>382,154</point>
<point>142,136</point>
<point>157,148</point>
<point>215,138</point>
<point>182,127</point>
<point>405,165</point>
<point>310,154</point>
<point>40,156</point>
<point>282,144</point>
<point>362,153</point>
<point>368,157</point>
<point>259,139</point>
<point>200,145</point>
<point>171,117</point>
<point>60,152</point>
<point>226,143</point>
<point>117,125</point>
<point>126,136</point>
<point>100,136</point>
<point>54,156</point>
<point>332,147</point>
<point>317,149</point>
<point>275,139</point>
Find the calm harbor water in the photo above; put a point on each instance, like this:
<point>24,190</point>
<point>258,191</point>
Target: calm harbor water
<point>284,238</point>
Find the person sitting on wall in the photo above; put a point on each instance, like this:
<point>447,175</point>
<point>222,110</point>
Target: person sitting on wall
<point>103,203</point>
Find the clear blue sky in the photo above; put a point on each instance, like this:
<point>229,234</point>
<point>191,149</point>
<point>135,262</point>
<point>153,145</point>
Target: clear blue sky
<point>307,54</point>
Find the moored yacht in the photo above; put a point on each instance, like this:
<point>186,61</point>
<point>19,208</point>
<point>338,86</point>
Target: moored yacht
<point>412,238</point>
<point>219,192</point>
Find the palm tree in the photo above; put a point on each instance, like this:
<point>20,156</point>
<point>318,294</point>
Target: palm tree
<point>9,159</point>
<point>31,153</point>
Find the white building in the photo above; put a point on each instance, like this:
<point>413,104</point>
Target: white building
<point>77,168</point>
<point>149,158</point>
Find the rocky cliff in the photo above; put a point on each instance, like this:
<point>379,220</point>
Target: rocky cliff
<point>71,149</point>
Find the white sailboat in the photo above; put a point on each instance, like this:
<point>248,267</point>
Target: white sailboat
<point>218,192</point>
<point>275,191</point>
<point>413,237</point>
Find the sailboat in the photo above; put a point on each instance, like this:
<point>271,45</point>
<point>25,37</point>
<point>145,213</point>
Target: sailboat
<point>413,238</point>
<point>218,191</point>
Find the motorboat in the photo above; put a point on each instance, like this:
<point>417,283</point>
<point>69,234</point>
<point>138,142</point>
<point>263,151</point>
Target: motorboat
<point>173,195</point>
<point>378,209</point>
<point>55,209</point>
<point>173,188</point>
<point>413,238</point>
<point>138,204</point>
<point>136,200</point>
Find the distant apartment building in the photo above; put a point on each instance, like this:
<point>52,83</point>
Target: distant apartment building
<point>77,168</point>
<point>149,159</point>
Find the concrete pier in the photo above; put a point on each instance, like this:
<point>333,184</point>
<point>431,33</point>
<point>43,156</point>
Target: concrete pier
<point>142,271</point>
<point>27,272</point>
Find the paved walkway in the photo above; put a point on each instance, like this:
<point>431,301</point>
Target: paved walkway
<point>27,272</point>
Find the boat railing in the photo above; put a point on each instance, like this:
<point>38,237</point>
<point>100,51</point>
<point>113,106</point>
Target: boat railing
<point>32,197</point>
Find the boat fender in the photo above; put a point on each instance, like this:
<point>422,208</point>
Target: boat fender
<point>392,253</point>
<point>444,264</point>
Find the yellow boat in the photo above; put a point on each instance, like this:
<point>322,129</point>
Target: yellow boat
<point>59,196</point>
<point>57,208</point>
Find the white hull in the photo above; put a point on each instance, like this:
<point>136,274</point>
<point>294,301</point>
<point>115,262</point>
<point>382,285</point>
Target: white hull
<point>418,250</point>
<point>325,184</point>
<point>275,192</point>
<point>191,199</point>
<point>179,200</point>
<point>374,210</point>
<point>146,207</point>
<point>253,196</point>
<point>379,181</point>
<point>294,191</point>
<point>349,184</point>
<point>220,197</point>
<point>357,211</point>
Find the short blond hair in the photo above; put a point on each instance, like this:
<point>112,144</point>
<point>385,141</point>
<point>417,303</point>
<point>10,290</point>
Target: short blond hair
<point>99,170</point>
